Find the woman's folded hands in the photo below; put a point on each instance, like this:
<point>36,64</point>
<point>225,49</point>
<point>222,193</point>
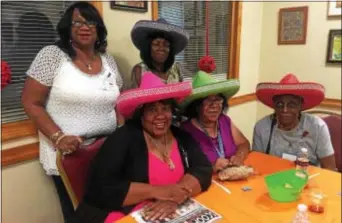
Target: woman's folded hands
<point>175,193</point>
<point>167,198</point>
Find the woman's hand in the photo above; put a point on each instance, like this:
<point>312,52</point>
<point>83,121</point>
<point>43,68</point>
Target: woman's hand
<point>175,193</point>
<point>236,160</point>
<point>159,210</point>
<point>68,144</point>
<point>220,164</point>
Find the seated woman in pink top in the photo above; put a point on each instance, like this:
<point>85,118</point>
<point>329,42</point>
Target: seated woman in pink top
<point>146,160</point>
<point>220,140</point>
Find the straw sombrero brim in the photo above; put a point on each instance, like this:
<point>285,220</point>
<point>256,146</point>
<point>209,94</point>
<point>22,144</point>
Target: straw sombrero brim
<point>130,100</point>
<point>227,88</point>
<point>312,93</point>
<point>141,31</point>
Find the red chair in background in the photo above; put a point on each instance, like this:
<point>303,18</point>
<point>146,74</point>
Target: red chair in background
<point>333,121</point>
<point>334,125</point>
<point>74,169</point>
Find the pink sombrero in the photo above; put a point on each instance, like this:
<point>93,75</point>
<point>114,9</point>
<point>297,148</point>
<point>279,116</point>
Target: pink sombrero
<point>312,93</point>
<point>151,89</point>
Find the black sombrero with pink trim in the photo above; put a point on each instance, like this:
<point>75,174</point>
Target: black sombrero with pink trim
<point>312,93</point>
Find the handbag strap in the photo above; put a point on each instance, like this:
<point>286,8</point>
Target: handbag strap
<point>268,148</point>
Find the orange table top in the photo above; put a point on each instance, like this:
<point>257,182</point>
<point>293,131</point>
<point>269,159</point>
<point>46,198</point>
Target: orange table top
<point>256,206</point>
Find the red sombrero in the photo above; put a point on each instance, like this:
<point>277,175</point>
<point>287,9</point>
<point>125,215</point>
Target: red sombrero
<point>312,93</point>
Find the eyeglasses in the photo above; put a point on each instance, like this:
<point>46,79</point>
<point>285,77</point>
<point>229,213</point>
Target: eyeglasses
<point>79,24</point>
<point>215,101</point>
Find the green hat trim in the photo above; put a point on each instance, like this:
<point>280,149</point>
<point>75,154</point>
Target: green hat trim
<point>204,85</point>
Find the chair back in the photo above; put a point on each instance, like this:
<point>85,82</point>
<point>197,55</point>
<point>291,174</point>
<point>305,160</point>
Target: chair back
<point>334,124</point>
<point>74,169</point>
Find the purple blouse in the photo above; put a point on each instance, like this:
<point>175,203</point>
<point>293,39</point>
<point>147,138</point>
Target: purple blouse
<point>207,142</point>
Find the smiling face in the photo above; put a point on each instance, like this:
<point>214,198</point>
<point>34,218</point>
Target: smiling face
<point>156,118</point>
<point>83,32</point>
<point>160,49</point>
<point>287,109</point>
<point>211,108</point>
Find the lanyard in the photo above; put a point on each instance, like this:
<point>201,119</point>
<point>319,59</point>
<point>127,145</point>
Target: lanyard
<point>220,149</point>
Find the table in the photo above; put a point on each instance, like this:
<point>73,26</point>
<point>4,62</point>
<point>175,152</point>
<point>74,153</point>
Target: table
<point>256,206</point>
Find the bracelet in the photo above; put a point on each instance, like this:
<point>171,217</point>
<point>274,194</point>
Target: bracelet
<point>56,135</point>
<point>60,138</point>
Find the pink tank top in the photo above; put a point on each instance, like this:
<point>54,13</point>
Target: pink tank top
<point>160,173</point>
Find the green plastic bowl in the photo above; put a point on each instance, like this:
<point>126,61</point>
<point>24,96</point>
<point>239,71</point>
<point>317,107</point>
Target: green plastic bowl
<point>286,186</point>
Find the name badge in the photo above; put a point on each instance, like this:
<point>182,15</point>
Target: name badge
<point>289,157</point>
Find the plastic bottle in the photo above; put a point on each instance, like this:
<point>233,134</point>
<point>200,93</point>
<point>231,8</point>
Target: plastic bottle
<point>302,161</point>
<point>301,215</point>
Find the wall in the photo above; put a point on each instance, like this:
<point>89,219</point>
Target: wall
<point>28,195</point>
<point>119,24</point>
<point>306,61</point>
<point>251,32</point>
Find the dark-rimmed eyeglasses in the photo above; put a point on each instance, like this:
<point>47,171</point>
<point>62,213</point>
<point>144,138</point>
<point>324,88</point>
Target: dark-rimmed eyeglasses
<point>214,101</point>
<point>79,24</point>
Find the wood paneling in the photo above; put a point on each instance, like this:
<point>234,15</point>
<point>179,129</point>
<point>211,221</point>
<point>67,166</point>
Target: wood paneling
<point>154,10</point>
<point>19,154</point>
<point>99,6</point>
<point>331,103</point>
<point>16,130</point>
<point>242,99</point>
<point>235,36</point>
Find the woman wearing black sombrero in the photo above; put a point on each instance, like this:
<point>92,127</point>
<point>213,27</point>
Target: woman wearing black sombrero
<point>158,43</point>
<point>285,132</point>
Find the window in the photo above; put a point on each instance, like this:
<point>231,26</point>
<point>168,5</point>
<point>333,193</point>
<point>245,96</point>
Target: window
<point>223,33</point>
<point>26,27</point>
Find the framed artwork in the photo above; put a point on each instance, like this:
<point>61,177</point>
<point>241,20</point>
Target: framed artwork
<point>138,6</point>
<point>334,8</point>
<point>334,54</point>
<point>292,25</point>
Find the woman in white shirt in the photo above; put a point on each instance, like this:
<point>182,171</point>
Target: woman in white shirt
<point>71,90</point>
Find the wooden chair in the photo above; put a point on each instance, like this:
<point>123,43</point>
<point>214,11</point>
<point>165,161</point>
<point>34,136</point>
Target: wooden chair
<point>74,170</point>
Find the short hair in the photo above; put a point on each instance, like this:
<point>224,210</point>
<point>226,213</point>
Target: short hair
<point>192,110</point>
<point>90,13</point>
<point>145,51</point>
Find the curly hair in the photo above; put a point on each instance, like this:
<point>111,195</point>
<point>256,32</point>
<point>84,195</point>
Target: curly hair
<point>145,52</point>
<point>90,13</point>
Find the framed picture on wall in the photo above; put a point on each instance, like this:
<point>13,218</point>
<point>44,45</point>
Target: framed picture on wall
<point>138,6</point>
<point>334,54</point>
<point>334,8</point>
<point>292,25</point>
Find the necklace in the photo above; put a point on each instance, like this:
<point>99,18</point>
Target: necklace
<point>165,155</point>
<point>88,65</point>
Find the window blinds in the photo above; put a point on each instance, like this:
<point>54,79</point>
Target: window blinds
<point>191,16</point>
<point>26,27</point>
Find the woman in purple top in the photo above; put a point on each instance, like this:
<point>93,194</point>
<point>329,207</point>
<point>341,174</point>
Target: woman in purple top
<point>221,141</point>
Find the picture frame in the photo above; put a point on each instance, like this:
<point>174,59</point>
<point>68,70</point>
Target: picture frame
<point>137,6</point>
<point>334,8</point>
<point>292,25</point>
<point>334,52</point>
